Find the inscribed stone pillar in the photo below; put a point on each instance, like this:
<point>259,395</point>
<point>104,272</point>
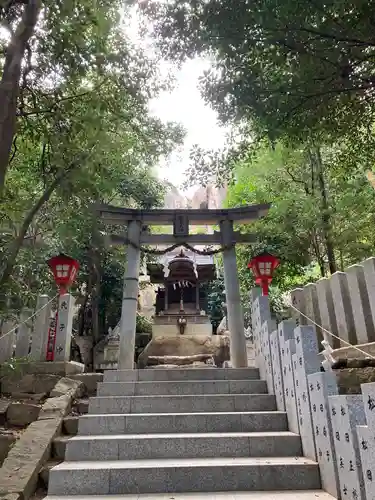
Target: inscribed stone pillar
<point>290,386</point>
<point>367,453</point>
<point>321,386</point>
<point>265,359</point>
<point>233,299</point>
<point>366,439</point>
<point>305,362</point>
<point>287,349</point>
<point>7,340</point>
<point>369,270</point>
<point>23,334</point>
<point>343,307</point>
<point>260,312</point>
<point>312,310</point>
<point>277,370</point>
<point>327,311</point>
<point>363,321</point>
<point>40,329</point>
<point>64,327</point>
<point>298,301</point>
<point>130,298</point>
<point>347,412</point>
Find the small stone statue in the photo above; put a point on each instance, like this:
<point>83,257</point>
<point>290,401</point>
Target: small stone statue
<point>181,324</point>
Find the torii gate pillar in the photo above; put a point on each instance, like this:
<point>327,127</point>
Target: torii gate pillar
<point>238,352</point>
<point>130,298</point>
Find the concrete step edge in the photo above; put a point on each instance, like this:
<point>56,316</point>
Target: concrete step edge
<point>234,495</point>
<point>185,435</point>
<point>184,462</point>
<point>207,414</point>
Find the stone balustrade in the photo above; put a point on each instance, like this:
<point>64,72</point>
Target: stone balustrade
<point>336,430</point>
<point>343,304</point>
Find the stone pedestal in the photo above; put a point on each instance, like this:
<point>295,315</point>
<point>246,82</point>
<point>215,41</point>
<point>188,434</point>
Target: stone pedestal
<point>64,328</point>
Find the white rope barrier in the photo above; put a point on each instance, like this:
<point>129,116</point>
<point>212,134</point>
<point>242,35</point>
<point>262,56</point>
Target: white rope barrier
<point>30,317</point>
<point>331,334</point>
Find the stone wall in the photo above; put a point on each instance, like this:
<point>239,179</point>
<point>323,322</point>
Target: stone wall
<point>336,430</point>
<point>343,304</point>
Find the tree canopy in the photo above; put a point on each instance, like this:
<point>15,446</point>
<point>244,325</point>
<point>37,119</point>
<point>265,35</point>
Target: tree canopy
<point>75,130</point>
<point>292,67</point>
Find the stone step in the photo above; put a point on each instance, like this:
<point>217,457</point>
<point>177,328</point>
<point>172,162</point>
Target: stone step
<point>149,375</point>
<point>143,423</point>
<point>182,404</point>
<point>221,495</point>
<point>189,445</point>
<point>183,475</point>
<point>182,387</point>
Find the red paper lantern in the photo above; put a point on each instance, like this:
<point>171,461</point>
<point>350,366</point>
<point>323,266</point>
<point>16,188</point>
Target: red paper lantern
<point>263,266</point>
<point>64,270</point>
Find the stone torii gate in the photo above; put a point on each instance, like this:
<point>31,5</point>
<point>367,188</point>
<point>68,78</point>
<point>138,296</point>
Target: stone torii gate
<point>138,234</point>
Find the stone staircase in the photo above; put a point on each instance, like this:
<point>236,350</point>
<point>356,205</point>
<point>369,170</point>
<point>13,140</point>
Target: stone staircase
<point>189,432</point>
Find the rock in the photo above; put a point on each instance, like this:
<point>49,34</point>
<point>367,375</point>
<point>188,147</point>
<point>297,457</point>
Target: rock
<point>6,441</point>
<point>21,414</point>
<point>70,425</point>
<point>217,346</point>
<point>85,346</point>
<point>349,380</point>
<point>4,405</point>
<point>20,470</point>
<point>54,407</point>
<point>29,383</point>
<point>178,360</point>
<point>73,388</point>
<point>36,398</point>
<point>90,381</point>
<point>222,328</point>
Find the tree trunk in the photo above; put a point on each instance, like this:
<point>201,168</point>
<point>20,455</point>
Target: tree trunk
<point>18,241</point>
<point>318,255</point>
<point>9,85</point>
<point>326,217</point>
<point>325,211</point>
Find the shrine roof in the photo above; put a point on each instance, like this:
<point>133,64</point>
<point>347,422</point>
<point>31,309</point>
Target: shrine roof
<point>118,215</point>
<point>205,265</point>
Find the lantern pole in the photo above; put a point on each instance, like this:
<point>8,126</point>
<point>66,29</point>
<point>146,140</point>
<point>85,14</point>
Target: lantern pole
<point>265,287</point>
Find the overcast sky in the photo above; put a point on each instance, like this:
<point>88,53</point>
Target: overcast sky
<point>185,105</point>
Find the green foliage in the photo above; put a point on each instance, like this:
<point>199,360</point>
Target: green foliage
<point>296,227</point>
<point>143,324</point>
<point>215,300</point>
<point>295,68</point>
<point>84,136</point>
